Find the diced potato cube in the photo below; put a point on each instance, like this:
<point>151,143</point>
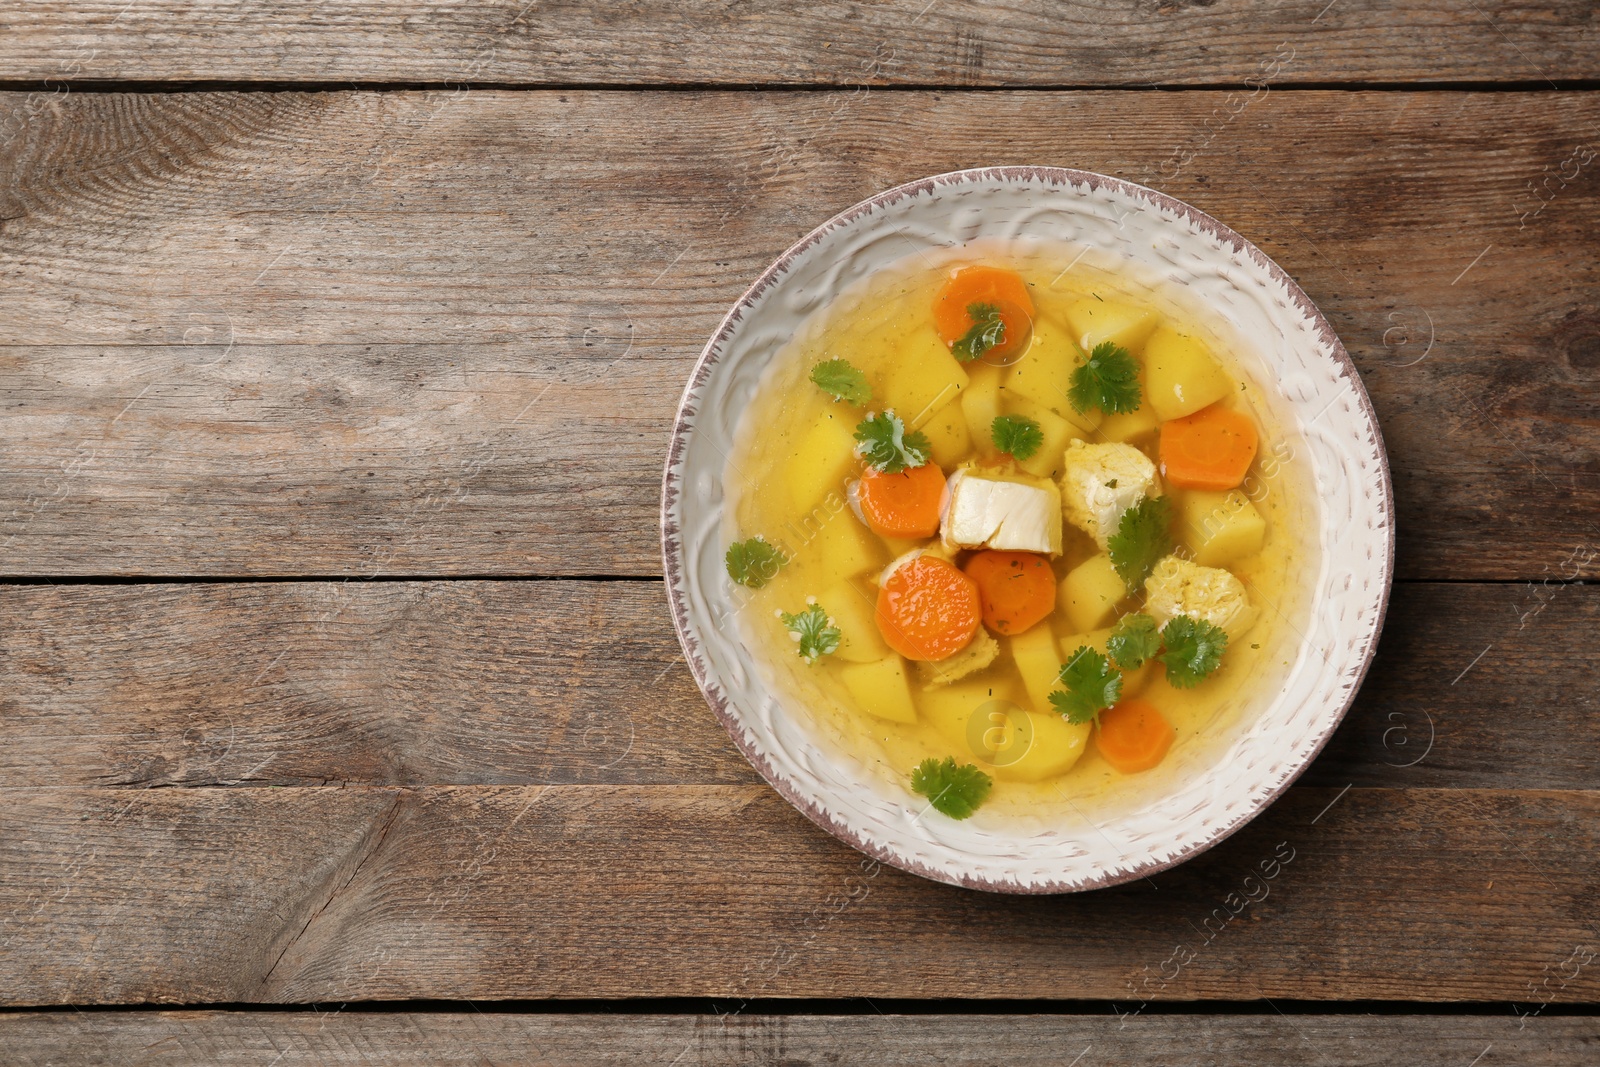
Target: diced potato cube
<point>976,718</point>
<point>1132,681</point>
<point>1136,425</point>
<point>845,547</point>
<point>1095,639</point>
<point>1053,746</point>
<point>923,378</point>
<point>980,404</point>
<point>1181,375</point>
<point>947,432</point>
<point>1094,321</point>
<point>1008,733</point>
<point>1045,463</point>
<point>880,688</point>
<point>834,544</point>
<point>1090,593</point>
<point>899,546</point>
<point>1043,375</point>
<point>1219,527</point>
<point>851,605</point>
<point>822,460</point>
<point>875,326</point>
<point>1038,660</point>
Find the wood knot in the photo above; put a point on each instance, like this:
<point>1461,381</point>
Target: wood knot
<point>1578,341</point>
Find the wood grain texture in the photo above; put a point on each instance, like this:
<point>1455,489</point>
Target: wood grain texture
<point>947,42</point>
<point>326,895</point>
<point>558,682</point>
<point>334,1038</point>
<point>445,333</point>
<point>160,888</point>
<point>405,683</point>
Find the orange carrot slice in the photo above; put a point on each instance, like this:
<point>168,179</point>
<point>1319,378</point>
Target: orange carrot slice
<point>1134,736</point>
<point>927,609</point>
<point>1211,449</point>
<point>1016,589</point>
<point>905,504</point>
<point>970,286</point>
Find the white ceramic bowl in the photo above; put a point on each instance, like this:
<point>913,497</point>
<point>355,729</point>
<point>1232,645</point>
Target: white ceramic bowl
<point>1285,347</point>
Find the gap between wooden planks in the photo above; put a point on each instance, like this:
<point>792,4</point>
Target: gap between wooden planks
<point>444,333</point>
<point>920,42</point>
<point>335,1037</point>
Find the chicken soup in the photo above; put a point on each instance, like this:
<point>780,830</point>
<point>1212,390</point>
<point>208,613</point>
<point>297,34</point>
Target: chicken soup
<point>1015,538</point>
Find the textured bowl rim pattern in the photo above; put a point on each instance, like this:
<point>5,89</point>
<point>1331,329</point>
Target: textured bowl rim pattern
<point>672,544</point>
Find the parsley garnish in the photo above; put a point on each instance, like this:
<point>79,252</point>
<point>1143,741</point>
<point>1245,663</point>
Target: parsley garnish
<point>1017,435</point>
<point>1109,380</point>
<point>988,331</point>
<point>1141,539</point>
<point>813,631</point>
<point>841,380</point>
<point>886,444</point>
<point>956,791</point>
<point>1194,650</point>
<point>1133,641</point>
<point>753,562</point>
<point>1091,686</point>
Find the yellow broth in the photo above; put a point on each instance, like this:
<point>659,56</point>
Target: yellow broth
<point>804,511</point>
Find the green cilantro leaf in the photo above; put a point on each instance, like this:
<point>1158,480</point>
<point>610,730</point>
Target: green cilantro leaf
<point>753,562</point>
<point>1108,380</point>
<point>886,445</point>
<point>1134,640</point>
<point>956,791</point>
<point>840,379</point>
<point>1194,650</point>
<point>1141,539</point>
<point>1017,435</point>
<point>988,331</point>
<point>813,631</point>
<point>1091,686</point>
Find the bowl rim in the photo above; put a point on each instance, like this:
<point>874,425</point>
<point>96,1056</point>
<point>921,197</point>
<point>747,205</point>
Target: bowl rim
<point>672,545</point>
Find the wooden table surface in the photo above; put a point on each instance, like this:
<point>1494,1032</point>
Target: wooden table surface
<point>339,345</point>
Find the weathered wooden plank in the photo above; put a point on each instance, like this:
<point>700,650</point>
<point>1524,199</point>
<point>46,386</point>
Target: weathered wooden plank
<point>950,42</point>
<point>431,333</point>
<point>405,683</point>
<point>260,878</point>
<point>334,1038</point>
<point>326,895</point>
<point>533,683</point>
<point>1475,686</point>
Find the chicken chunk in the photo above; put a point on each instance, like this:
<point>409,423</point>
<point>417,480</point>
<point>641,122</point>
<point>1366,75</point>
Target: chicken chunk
<point>1180,587</point>
<point>1004,513</point>
<point>1100,482</point>
<point>983,651</point>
